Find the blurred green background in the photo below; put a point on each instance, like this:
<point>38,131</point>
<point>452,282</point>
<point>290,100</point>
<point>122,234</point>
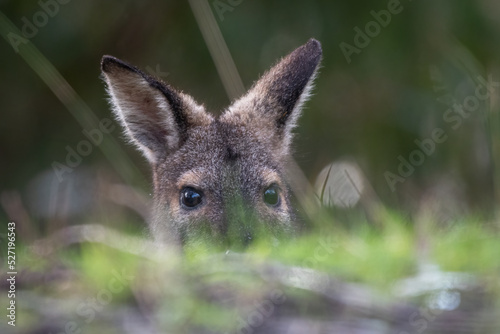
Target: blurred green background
<point>368,111</point>
<point>365,116</point>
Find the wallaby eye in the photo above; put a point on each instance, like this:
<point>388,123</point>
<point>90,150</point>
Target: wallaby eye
<point>190,197</point>
<point>271,195</point>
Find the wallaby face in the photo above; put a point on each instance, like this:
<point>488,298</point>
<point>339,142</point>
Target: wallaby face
<point>224,176</point>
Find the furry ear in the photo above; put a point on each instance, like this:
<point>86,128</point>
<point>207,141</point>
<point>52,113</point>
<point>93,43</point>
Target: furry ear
<point>154,115</point>
<point>274,102</point>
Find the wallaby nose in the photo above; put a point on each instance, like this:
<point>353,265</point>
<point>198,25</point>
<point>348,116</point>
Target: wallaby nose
<point>240,226</point>
<point>239,233</point>
<point>246,237</point>
<point>238,213</point>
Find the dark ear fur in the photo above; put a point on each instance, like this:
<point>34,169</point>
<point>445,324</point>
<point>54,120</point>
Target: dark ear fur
<point>154,115</point>
<point>275,100</point>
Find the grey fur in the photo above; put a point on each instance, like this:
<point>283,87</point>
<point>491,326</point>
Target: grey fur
<point>230,160</point>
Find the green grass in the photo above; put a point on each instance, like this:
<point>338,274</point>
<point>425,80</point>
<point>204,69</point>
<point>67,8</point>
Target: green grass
<point>204,289</point>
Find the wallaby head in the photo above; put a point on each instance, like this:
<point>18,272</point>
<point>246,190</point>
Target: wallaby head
<point>226,175</point>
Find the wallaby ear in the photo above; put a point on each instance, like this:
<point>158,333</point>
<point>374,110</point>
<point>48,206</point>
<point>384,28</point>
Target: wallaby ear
<point>273,105</point>
<point>156,117</point>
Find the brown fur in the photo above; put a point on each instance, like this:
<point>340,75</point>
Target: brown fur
<point>230,160</point>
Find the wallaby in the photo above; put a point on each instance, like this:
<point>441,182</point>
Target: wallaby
<point>222,175</point>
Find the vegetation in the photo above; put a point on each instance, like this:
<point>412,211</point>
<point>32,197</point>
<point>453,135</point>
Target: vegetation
<point>401,227</point>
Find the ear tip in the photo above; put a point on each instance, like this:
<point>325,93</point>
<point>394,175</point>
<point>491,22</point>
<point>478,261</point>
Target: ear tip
<point>314,43</point>
<point>314,47</point>
<point>108,63</point>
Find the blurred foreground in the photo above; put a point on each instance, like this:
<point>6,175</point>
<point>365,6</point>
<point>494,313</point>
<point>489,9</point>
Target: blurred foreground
<point>359,279</point>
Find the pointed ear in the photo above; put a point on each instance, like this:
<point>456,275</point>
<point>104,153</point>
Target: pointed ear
<point>274,102</point>
<point>155,117</point>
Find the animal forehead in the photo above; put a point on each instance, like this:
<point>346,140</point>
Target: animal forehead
<point>219,152</point>
<point>222,142</point>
